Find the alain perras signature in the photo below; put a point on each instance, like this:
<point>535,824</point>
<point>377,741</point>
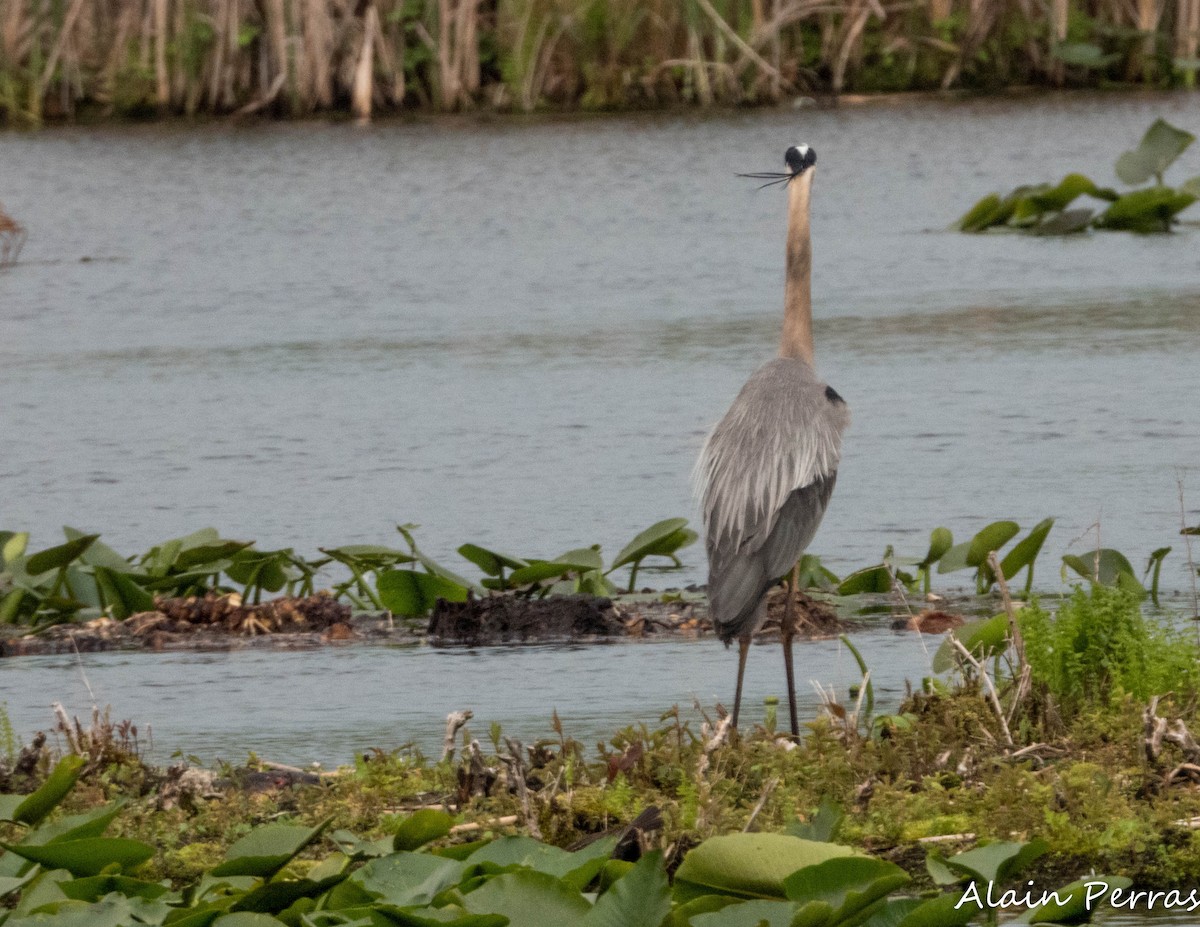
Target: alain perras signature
<point>1093,894</point>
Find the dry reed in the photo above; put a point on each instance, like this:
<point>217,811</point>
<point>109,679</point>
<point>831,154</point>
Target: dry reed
<point>294,57</point>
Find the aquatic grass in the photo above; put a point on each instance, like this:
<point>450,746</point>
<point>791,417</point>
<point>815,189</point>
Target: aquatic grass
<point>1099,646</point>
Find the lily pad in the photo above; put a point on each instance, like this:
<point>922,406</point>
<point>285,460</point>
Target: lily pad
<point>1159,148</point>
<point>749,865</point>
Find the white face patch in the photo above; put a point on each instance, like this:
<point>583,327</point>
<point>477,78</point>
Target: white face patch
<point>803,149</point>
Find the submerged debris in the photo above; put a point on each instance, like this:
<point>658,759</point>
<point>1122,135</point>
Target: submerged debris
<point>814,618</point>
<point>505,619</point>
<point>930,621</point>
<point>313,613</point>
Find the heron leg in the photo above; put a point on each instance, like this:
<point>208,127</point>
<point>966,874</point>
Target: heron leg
<point>743,650</point>
<point>787,632</point>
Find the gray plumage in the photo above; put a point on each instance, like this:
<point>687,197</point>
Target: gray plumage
<point>765,477</point>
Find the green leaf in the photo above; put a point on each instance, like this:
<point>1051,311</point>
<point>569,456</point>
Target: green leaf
<point>1149,210</point>
<point>121,595</point>
<point>10,884</point>
<point>662,538</point>
<point>12,545</point>
<point>9,805</point>
<point>814,575</point>
<point>86,857</point>
<point>576,869</point>
<point>1159,148</point>
<point>989,211</point>
<point>412,594</point>
<point>491,562</point>
<point>871,579</point>
<point>98,553</point>
<point>267,849</point>
<point>431,565</point>
<point>574,561</point>
<point>11,604</point>
<point>55,558</point>
<point>849,885</point>
<point>1103,566</point>
<point>420,827</point>
<point>281,894</point>
<point>1191,187</point>
<point>823,825</point>
<point>748,914</point>
<point>447,916</point>
<point>247,919</point>
<point>991,538</point>
<point>985,638</point>
<point>1025,552</point>
<point>930,912</point>
<point>955,558</point>
<point>115,911</point>
<point>406,879</point>
<point>528,899</point>
<point>76,826</point>
<point>940,541</point>
<point>93,888</point>
<point>640,898</point>
<point>1068,222</point>
<point>1070,188</point>
<point>1076,902</point>
<point>996,862</point>
<point>368,555</point>
<point>749,865</point>
<point>61,780</point>
<point>261,569</point>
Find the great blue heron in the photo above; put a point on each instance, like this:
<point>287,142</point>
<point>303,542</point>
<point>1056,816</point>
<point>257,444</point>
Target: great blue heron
<point>768,468</point>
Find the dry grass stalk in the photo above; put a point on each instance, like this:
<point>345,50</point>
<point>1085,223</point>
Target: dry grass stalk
<point>1187,31</point>
<point>993,696</point>
<point>515,768</point>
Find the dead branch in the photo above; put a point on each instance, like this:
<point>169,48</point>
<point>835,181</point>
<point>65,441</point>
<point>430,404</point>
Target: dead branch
<point>454,723</point>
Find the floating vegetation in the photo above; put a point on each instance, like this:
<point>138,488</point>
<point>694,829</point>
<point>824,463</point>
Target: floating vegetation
<point>203,580</point>
<point>12,238</point>
<point>1042,209</point>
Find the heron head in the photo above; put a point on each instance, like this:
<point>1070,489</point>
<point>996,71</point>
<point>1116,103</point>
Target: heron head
<point>800,158</point>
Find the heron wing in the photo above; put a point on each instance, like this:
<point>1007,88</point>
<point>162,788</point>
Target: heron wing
<point>782,433</point>
<point>740,577</point>
<point>766,474</point>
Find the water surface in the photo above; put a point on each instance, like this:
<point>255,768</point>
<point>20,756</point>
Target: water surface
<point>518,332</point>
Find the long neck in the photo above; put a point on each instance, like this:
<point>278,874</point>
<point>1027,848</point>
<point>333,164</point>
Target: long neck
<point>797,339</point>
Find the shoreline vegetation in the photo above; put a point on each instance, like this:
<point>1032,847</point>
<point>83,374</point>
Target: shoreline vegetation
<point>1050,739</point>
<point>1045,748</point>
<point>98,59</point>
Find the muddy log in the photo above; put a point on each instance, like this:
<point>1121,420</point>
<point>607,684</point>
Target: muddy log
<point>505,619</point>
